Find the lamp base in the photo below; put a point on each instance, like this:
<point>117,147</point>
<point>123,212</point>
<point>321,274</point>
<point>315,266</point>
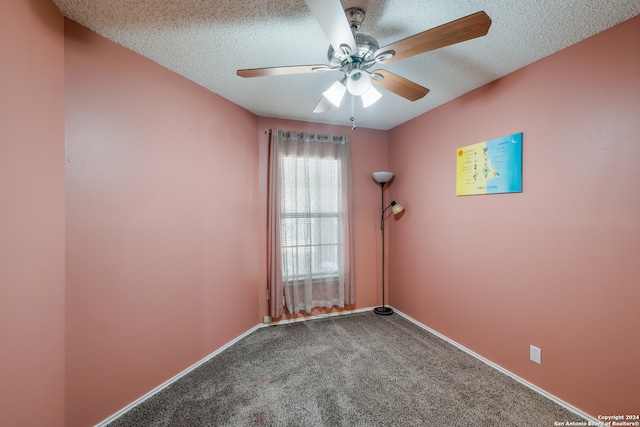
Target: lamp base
<point>384,311</point>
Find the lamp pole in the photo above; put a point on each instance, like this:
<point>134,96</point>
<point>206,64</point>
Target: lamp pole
<point>385,311</point>
<point>382,178</point>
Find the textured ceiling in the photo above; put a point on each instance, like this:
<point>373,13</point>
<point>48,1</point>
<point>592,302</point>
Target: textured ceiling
<point>207,41</point>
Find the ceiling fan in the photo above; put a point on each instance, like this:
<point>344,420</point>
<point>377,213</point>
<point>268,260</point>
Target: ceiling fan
<point>354,53</point>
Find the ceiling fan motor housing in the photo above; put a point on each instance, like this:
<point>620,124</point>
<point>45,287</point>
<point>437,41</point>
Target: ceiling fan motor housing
<point>367,47</point>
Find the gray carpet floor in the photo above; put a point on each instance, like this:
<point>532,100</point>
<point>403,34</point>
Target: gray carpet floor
<point>354,370</point>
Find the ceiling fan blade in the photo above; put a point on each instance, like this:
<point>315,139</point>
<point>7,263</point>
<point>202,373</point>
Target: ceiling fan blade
<point>323,106</point>
<point>399,85</point>
<point>467,28</point>
<point>279,71</point>
<point>333,21</point>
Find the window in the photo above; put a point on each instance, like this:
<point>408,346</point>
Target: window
<point>310,217</point>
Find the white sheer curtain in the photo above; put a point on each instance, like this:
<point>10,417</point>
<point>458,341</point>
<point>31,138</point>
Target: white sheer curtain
<point>310,222</point>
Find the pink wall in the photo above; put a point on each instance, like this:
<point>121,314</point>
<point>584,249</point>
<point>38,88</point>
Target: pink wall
<point>162,225</point>
<point>369,152</point>
<point>555,266</point>
<point>31,214</point>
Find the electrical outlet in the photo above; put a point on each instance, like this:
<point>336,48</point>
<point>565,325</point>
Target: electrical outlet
<point>266,319</point>
<point>535,354</point>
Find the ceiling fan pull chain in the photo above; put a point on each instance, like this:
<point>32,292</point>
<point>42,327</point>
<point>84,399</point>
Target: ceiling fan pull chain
<point>353,117</point>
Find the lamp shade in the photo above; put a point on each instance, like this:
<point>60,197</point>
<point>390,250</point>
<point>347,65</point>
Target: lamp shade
<point>381,177</point>
<point>335,93</point>
<point>397,208</point>
<point>370,97</point>
<point>358,82</point>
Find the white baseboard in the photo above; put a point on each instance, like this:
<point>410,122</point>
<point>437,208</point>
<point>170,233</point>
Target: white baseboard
<point>167,383</point>
<point>526,383</point>
<point>319,316</point>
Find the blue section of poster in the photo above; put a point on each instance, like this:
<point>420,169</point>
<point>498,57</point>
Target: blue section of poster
<point>505,155</point>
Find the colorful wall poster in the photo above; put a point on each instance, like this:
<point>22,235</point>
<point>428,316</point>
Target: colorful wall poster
<point>490,167</point>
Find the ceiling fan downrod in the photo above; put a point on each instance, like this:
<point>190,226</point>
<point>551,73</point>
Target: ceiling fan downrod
<point>355,16</point>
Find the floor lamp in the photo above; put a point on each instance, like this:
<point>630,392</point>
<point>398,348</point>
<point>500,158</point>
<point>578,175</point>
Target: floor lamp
<point>382,178</point>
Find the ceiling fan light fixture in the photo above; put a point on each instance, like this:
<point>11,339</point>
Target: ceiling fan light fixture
<point>335,93</point>
<point>370,97</point>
